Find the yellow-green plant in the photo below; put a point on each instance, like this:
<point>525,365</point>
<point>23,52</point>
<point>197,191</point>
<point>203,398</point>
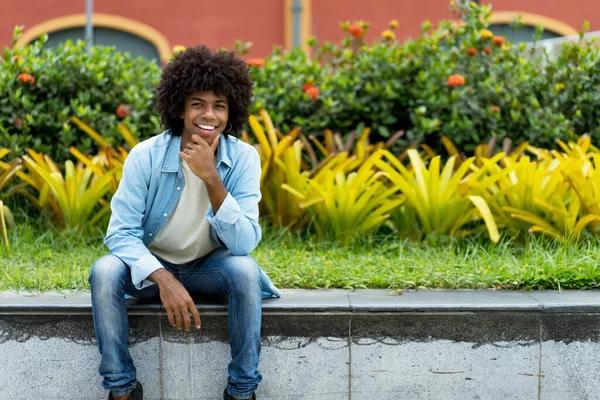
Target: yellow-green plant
<point>7,173</point>
<point>484,151</point>
<point>437,200</point>
<point>108,158</point>
<point>74,200</point>
<point>550,195</point>
<point>509,185</point>
<point>559,215</point>
<point>5,216</point>
<point>346,204</point>
<point>280,159</point>
<point>129,137</point>
<point>290,159</point>
<point>584,180</point>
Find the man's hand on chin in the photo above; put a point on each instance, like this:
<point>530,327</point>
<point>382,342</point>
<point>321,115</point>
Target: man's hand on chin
<point>200,157</point>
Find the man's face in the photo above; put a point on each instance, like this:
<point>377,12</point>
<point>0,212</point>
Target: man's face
<point>206,114</point>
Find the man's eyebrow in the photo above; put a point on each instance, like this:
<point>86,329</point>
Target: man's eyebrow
<point>194,98</point>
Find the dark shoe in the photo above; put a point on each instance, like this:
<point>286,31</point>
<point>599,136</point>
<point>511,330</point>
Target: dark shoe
<point>227,396</point>
<point>137,394</point>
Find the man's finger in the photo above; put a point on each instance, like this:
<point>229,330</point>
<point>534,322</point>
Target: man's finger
<point>178,319</point>
<point>215,143</point>
<point>195,316</point>
<point>186,320</point>
<point>170,316</point>
<point>197,139</point>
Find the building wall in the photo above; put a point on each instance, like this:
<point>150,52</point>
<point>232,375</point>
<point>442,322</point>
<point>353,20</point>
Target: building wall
<point>216,24</point>
<point>262,22</point>
<point>410,14</point>
<point>573,12</point>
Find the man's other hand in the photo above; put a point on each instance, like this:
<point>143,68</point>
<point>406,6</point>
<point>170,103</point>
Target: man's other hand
<point>177,301</point>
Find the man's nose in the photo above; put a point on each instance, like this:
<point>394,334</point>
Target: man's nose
<point>209,113</point>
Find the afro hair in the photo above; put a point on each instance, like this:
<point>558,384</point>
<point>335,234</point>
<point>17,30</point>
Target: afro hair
<point>198,69</point>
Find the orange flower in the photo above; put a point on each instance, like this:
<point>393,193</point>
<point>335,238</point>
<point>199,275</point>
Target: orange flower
<point>456,80</point>
<point>16,57</point>
<point>256,62</point>
<point>495,109</point>
<point>313,92</point>
<point>487,50</point>
<point>307,86</point>
<point>472,52</point>
<point>123,111</point>
<point>356,30</point>
<point>26,78</point>
<point>498,40</point>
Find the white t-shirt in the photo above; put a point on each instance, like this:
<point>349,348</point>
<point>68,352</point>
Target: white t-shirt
<point>185,236</point>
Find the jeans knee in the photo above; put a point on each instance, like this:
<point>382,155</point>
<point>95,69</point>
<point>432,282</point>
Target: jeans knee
<point>243,275</point>
<point>107,273</point>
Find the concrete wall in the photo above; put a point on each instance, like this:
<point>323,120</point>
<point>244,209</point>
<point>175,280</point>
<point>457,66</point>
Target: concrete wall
<point>324,345</point>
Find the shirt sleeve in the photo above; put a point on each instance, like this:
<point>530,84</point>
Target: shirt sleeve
<point>125,232</point>
<point>236,222</point>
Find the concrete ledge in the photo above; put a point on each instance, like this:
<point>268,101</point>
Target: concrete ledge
<point>323,344</point>
<point>336,300</point>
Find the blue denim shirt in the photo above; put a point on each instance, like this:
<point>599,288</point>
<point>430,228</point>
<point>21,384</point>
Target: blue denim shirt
<point>150,188</point>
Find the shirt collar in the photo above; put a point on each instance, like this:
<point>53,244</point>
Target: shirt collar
<point>172,161</point>
<point>223,151</point>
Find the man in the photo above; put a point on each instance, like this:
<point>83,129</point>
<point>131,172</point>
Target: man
<point>184,219</point>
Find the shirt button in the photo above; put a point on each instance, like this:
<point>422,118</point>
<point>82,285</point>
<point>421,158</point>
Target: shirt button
<point>149,234</point>
<point>178,188</point>
<point>165,214</point>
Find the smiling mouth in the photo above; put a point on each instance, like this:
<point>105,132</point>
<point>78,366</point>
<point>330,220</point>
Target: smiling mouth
<point>206,129</point>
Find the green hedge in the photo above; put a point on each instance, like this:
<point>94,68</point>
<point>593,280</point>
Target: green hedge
<point>386,85</point>
<point>393,86</point>
<point>41,88</point>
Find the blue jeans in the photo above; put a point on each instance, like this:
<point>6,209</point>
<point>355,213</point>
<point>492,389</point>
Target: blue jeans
<point>219,273</point>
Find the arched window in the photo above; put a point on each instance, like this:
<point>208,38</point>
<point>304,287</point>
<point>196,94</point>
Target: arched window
<point>122,41</point>
<point>109,30</point>
<point>500,24</point>
<point>523,34</point>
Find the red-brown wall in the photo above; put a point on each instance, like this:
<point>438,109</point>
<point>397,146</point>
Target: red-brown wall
<point>220,23</point>
<point>327,14</point>
<point>214,23</point>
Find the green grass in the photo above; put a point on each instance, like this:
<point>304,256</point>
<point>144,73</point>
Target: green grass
<point>42,259</point>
